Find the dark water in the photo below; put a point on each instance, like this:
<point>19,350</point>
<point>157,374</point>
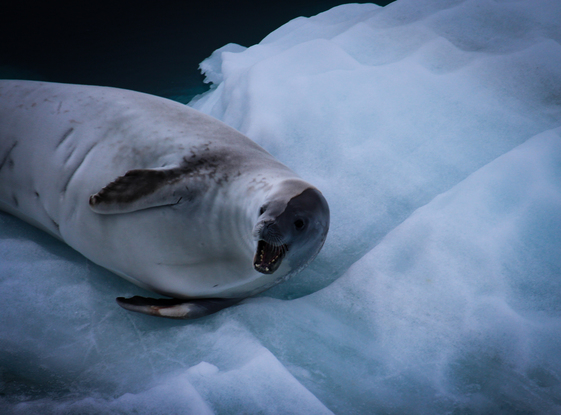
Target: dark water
<point>153,47</point>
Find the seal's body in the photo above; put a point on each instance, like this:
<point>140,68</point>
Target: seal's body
<point>157,192</point>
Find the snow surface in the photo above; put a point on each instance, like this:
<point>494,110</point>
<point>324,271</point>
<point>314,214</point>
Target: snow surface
<point>433,127</point>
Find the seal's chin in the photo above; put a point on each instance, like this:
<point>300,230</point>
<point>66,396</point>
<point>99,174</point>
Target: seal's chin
<point>268,257</point>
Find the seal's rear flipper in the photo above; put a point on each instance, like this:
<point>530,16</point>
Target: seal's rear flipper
<point>175,308</point>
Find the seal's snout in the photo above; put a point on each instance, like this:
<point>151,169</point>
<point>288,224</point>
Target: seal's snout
<point>257,231</point>
<point>268,257</point>
<point>271,233</point>
<point>270,247</point>
<point>267,230</point>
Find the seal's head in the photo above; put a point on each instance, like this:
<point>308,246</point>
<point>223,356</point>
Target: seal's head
<point>291,228</point>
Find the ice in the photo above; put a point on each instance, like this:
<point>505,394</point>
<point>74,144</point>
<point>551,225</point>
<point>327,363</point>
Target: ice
<point>433,129</point>
<point>471,303</point>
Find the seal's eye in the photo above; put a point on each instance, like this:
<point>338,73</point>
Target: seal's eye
<point>299,224</point>
<point>262,210</point>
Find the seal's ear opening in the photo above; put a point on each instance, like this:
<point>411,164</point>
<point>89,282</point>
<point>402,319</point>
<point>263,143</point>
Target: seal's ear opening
<point>141,189</point>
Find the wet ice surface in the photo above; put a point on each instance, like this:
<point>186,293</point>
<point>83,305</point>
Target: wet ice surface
<point>432,128</point>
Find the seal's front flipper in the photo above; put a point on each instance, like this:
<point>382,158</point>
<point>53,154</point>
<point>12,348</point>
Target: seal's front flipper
<point>175,308</point>
<point>142,189</point>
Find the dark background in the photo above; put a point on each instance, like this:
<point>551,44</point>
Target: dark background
<point>154,47</point>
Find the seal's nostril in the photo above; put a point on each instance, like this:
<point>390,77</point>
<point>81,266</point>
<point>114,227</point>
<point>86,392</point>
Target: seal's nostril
<point>269,228</point>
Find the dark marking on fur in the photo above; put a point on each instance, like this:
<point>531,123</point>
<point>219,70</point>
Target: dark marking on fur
<point>7,157</point>
<point>65,136</point>
<point>15,200</point>
<point>54,222</point>
<point>69,154</point>
<point>76,168</point>
<point>208,166</point>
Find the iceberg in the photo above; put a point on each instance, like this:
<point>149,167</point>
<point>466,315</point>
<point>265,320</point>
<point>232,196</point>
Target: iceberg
<point>433,128</point>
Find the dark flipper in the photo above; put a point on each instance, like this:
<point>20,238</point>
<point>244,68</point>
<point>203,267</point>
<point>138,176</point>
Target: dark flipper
<point>175,308</point>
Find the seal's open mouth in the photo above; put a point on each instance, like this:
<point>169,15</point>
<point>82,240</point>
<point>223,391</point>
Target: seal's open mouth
<point>268,257</point>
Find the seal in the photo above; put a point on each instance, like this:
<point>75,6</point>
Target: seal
<point>167,197</point>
